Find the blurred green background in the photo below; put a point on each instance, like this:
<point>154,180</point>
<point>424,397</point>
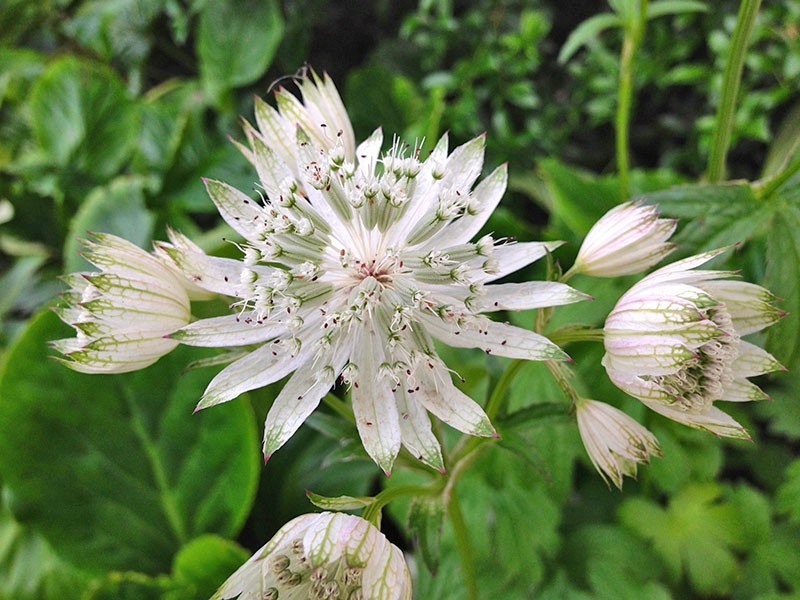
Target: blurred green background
<point>112,110</point>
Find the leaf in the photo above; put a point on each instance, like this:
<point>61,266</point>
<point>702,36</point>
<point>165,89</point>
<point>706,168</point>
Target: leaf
<point>713,215</point>
<point>127,586</point>
<point>585,32</point>
<point>236,41</point>
<point>786,498</point>
<point>425,523</point>
<point>785,145</point>
<point>674,7</point>
<point>203,565</point>
<point>696,535</point>
<point>30,570</point>
<point>115,471</point>
<point>117,208</point>
<point>339,502</point>
<point>83,118</point>
<point>783,279</point>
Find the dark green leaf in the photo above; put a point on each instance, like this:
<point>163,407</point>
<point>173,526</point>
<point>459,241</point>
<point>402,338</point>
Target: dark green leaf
<point>117,208</point>
<point>83,118</point>
<point>114,470</point>
<point>236,41</point>
<point>128,586</point>
<point>788,497</point>
<point>203,565</point>
<point>425,522</point>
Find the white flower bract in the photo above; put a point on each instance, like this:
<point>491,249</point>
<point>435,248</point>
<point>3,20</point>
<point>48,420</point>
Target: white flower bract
<point>614,441</point>
<point>123,313</point>
<point>626,240</point>
<point>324,555</point>
<point>674,342</point>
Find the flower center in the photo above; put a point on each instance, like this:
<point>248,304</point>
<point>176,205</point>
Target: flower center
<point>703,378</point>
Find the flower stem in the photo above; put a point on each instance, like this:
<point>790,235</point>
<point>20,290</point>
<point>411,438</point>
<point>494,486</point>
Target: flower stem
<point>634,32</point>
<point>372,513</point>
<point>499,391</point>
<point>723,125</point>
<point>565,335</point>
<point>465,550</point>
<point>339,407</point>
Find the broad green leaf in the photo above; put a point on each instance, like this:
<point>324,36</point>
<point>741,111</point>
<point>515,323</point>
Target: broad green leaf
<point>783,280</point>
<point>117,208</point>
<point>16,281</point>
<point>115,29</point>
<point>30,570</point>
<point>236,41</point>
<point>783,413</point>
<point>83,118</point>
<point>115,471</point>
<point>425,523</point>
<point>688,456</point>
<point>587,31</point>
<point>696,535</point>
<point>713,216</point>
<point>203,565</point>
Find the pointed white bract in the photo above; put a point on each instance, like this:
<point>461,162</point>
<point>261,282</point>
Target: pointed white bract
<point>322,555</point>
<point>626,240</point>
<point>614,441</point>
<point>674,342</point>
<point>122,314</point>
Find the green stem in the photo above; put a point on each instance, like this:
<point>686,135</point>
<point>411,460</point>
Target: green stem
<point>499,391</point>
<point>339,407</point>
<point>562,375</point>
<point>764,189</point>
<point>634,32</point>
<point>566,335</point>
<point>372,513</point>
<point>726,110</point>
<point>465,550</point>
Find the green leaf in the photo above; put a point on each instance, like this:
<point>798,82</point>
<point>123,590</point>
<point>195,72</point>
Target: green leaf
<point>585,32</point>
<point>83,118</point>
<point>785,145</point>
<point>786,498</point>
<point>117,208</point>
<point>713,215</point>
<point>696,535</point>
<point>30,570</point>
<point>783,280</point>
<point>339,502</point>
<point>115,471</point>
<point>236,41</point>
<point>425,522</point>
<point>674,7</point>
<point>203,565</point>
<point>129,585</point>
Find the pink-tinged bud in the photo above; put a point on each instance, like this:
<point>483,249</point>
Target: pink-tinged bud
<point>614,441</point>
<point>626,240</point>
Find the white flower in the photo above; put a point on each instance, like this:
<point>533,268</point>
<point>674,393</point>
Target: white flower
<point>351,270</point>
<point>674,342</point>
<point>626,240</point>
<point>318,556</point>
<point>122,314</point>
<point>614,441</point>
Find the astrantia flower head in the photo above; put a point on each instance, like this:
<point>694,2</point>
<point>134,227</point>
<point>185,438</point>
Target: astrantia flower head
<point>123,313</point>
<point>674,342</point>
<point>318,556</point>
<point>626,240</point>
<point>614,441</point>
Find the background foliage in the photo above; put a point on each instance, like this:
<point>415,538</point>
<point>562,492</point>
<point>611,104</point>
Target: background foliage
<point>112,110</point>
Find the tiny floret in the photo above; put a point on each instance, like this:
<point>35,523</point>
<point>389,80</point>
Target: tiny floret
<point>674,341</point>
<point>319,556</point>
<point>627,240</point>
<point>614,441</point>
<point>122,314</point>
